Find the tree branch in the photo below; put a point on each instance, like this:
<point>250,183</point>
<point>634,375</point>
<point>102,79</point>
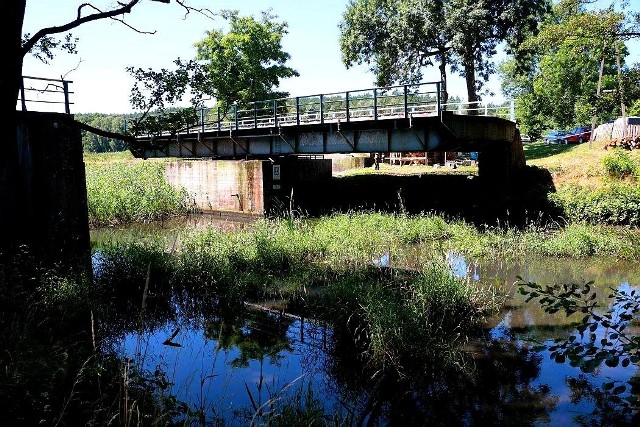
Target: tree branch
<point>188,9</point>
<point>124,8</point>
<point>107,134</point>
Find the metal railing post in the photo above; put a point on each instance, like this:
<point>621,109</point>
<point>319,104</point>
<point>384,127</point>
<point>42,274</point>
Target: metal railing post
<point>321,109</point>
<point>406,102</point>
<point>375,104</point>
<point>486,109</point>
<point>348,114</point>
<point>275,112</point>
<point>298,110</point>
<point>65,85</point>
<point>235,114</point>
<point>202,119</point>
<point>219,120</point>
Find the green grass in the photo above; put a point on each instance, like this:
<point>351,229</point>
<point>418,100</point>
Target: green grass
<point>119,156</point>
<point>541,150</point>
<point>592,184</point>
<point>386,169</point>
<point>326,269</point>
<point>122,192</point>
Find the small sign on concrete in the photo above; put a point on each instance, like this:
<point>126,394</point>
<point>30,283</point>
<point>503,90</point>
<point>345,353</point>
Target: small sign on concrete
<point>276,172</point>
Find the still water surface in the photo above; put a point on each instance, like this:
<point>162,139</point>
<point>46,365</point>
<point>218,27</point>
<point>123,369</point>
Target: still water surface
<point>227,365</point>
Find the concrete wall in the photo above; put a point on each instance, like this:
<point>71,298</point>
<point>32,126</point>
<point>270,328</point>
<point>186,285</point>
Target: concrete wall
<point>220,185</point>
<point>49,208</point>
<point>255,187</point>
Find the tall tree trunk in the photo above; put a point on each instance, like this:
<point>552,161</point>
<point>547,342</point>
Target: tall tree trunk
<point>470,78</point>
<point>443,75</point>
<point>11,21</point>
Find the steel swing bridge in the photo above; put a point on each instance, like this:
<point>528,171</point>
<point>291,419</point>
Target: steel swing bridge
<point>403,118</point>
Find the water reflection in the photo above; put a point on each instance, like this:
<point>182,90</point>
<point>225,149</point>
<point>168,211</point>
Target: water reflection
<point>233,363</point>
<point>169,230</point>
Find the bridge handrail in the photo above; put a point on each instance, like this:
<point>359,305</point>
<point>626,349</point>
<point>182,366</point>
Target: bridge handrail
<point>398,101</point>
<point>59,86</point>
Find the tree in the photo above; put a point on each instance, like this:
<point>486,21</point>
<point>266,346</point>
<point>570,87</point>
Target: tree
<point>238,67</point>
<point>15,47</point>
<point>247,62</point>
<point>557,85</point>
<point>398,38</point>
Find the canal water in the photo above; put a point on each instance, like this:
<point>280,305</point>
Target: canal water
<point>242,366</point>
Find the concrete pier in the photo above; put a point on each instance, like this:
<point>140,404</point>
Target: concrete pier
<point>252,187</point>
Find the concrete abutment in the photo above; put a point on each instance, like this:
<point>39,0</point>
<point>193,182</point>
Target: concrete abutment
<point>44,197</point>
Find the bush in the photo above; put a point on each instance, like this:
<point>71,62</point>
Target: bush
<point>618,204</point>
<point>620,165</point>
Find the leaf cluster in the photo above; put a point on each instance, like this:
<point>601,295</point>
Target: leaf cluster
<point>398,38</point>
<point>602,334</point>
<point>238,66</point>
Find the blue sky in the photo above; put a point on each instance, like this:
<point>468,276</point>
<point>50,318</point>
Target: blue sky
<point>106,48</point>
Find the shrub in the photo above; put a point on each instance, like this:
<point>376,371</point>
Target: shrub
<point>618,204</point>
<point>620,165</point>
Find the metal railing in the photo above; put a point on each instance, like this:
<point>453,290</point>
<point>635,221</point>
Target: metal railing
<point>366,104</point>
<point>392,102</point>
<point>505,110</point>
<point>53,92</point>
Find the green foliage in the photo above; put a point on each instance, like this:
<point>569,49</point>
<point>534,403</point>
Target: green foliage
<point>155,91</point>
<point>556,82</point>
<point>246,63</point>
<point>131,192</point>
<point>634,110</point>
<point>602,335</point>
<point>615,204</point>
<point>617,346</point>
<point>44,48</point>
<point>400,37</point>
<point>92,143</point>
<point>242,65</point>
<point>620,165</point>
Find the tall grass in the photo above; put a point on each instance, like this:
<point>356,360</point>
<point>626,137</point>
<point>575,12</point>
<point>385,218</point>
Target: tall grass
<point>120,192</point>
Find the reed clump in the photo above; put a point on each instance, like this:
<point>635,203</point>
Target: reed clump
<point>125,192</point>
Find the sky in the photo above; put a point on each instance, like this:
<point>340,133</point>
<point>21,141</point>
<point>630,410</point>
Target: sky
<point>105,48</point>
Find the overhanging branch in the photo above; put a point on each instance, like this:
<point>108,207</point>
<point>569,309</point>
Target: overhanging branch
<point>107,134</point>
<point>124,8</point>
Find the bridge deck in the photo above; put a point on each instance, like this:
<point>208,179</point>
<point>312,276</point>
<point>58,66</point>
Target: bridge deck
<point>390,119</point>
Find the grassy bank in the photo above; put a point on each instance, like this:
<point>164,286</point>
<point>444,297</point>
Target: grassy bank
<point>121,190</point>
<point>592,184</point>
